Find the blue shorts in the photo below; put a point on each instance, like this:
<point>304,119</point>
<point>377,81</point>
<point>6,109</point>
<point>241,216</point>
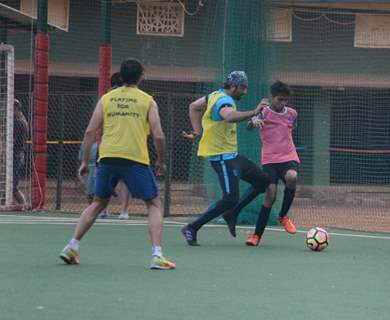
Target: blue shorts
<point>139,179</point>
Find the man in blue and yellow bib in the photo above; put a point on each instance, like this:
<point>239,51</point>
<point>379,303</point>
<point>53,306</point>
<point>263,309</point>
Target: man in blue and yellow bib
<point>125,115</point>
<point>218,143</point>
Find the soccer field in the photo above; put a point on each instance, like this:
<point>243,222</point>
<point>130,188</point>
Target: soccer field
<point>221,279</point>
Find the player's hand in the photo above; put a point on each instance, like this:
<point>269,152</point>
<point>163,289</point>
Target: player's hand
<point>83,170</point>
<point>191,135</point>
<point>257,122</point>
<point>264,103</point>
<point>261,106</point>
<point>160,168</point>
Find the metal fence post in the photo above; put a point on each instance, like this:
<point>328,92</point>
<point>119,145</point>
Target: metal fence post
<point>60,155</point>
<point>168,158</point>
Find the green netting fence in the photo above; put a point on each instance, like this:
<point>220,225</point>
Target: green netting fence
<point>339,74</point>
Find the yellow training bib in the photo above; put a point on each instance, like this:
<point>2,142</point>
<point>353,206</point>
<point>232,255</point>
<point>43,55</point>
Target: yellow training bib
<point>219,136</point>
<point>125,124</point>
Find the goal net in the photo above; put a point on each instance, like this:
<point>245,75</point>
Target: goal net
<point>7,62</point>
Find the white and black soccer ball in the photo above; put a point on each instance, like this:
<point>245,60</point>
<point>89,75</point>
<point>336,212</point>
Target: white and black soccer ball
<point>317,239</point>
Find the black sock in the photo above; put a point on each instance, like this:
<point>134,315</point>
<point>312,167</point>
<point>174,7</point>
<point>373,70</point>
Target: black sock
<point>262,220</point>
<point>288,199</point>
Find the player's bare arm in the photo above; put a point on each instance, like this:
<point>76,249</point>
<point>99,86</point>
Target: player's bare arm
<point>95,124</point>
<point>158,136</point>
<point>231,115</point>
<point>196,109</point>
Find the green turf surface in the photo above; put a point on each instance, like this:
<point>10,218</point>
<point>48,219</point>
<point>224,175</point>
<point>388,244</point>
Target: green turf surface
<point>222,279</point>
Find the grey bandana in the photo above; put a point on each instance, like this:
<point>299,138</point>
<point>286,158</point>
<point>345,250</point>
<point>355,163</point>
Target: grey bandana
<point>237,78</point>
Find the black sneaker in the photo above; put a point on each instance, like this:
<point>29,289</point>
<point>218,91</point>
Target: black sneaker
<point>190,235</point>
<point>231,222</point>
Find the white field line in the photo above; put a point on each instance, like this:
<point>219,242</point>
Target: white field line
<point>33,220</point>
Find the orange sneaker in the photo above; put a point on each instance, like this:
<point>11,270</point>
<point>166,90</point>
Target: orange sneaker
<point>288,225</point>
<point>253,241</point>
<point>160,263</point>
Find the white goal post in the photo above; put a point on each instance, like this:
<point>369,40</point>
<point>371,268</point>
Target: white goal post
<point>7,68</point>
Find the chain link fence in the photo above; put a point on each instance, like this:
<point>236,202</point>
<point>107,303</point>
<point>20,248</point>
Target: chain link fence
<point>189,185</point>
<point>68,118</point>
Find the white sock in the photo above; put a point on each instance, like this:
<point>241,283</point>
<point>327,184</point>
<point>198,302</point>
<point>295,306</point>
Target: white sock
<point>74,244</point>
<point>156,251</point>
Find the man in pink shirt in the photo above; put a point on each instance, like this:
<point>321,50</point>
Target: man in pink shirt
<point>278,157</point>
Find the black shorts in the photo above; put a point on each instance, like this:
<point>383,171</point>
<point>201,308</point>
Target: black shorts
<point>276,171</point>
<point>231,171</point>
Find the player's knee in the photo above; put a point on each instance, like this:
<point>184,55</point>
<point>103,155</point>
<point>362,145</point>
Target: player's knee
<point>97,206</point>
<point>291,179</point>
<point>155,202</point>
<point>101,203</point>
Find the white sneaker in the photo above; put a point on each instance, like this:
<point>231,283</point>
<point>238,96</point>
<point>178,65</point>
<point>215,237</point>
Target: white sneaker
<point>123,216</point>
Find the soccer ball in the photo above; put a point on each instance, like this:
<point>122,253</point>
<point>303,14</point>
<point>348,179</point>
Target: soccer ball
<point>317,239</point>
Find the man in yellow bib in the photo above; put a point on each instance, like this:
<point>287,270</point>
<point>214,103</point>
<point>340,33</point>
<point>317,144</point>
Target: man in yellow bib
<point>126,115</point>
<point>218,144</point>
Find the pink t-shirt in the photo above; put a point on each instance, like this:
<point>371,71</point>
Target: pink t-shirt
<point>276,136</point>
